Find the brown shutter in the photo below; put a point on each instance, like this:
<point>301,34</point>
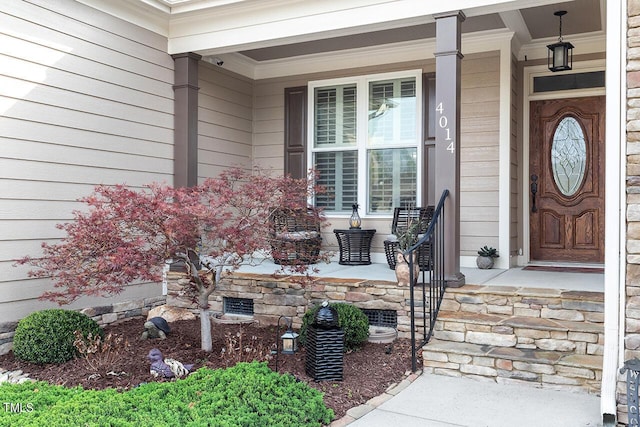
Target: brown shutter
<point>295,131</point>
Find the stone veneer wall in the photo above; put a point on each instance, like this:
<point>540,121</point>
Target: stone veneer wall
<point>273,297</point>
<point>103,314</point>
<point>549,338</point>
<point>632,303</point>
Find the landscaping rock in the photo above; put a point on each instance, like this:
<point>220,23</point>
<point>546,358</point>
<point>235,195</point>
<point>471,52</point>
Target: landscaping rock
<point>171,314</point>
<point>13,377</point>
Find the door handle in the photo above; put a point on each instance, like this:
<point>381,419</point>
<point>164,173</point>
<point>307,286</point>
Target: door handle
<point>534,190</point>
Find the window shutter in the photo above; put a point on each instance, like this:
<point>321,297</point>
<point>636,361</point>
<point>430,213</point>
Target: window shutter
<point>295,131</point>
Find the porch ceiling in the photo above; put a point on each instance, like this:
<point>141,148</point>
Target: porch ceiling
<point>258,33</point>
<point>274,38</point>
<point>583,16</point>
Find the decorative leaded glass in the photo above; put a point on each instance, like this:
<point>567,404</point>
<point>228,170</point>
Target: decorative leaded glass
<point>568,156</point>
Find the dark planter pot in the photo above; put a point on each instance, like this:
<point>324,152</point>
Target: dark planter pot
<point>484,262</point>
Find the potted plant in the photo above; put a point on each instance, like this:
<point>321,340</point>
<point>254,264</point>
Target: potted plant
<point>407,237</point>
<point>486,257</point>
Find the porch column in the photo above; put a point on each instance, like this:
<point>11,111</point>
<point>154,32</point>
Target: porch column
<point>185,106</point>
<point>447,118</point>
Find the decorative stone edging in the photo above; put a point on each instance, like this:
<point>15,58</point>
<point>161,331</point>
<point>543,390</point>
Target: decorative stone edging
<point>360,411</point>
<point>13,377</point>
<point>103,315</point>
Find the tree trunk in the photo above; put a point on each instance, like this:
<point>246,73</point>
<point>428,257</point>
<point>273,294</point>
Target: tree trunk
<point>205,330</point>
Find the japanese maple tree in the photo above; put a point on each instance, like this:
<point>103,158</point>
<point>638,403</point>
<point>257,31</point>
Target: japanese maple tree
<point>127,235</point>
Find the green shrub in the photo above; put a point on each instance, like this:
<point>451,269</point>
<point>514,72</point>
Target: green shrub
<point>350,318</point>
<point>248,394</point>
<point>47,336</point>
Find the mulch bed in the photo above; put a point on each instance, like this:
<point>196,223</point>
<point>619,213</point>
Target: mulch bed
<point>367,372</point>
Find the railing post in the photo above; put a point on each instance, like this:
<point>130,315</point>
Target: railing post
<point>434,237</point>
<point>412,311</point>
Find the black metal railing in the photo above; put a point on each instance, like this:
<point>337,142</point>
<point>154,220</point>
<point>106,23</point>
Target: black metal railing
<point>430,282</point>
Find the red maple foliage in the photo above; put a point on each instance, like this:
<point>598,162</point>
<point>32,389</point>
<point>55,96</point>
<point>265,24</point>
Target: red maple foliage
<point>127,235</point>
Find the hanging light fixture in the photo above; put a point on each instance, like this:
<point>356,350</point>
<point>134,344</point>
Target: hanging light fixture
<point>560,55</point>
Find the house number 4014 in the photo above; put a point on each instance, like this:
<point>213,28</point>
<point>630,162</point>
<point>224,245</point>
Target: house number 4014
<point>443,122</point>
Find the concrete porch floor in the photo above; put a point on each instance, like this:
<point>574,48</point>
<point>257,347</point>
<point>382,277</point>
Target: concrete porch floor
<point>473,276</point>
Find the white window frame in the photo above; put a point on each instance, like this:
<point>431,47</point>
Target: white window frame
<point>362,147</point>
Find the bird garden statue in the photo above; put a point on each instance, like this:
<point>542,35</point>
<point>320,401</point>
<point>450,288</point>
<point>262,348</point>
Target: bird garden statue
<point>166,368</point>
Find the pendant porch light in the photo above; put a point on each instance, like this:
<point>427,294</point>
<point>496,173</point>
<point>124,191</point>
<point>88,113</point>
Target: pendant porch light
<point>560,55</point>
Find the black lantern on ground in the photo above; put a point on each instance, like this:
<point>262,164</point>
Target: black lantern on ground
<point>289,339</point>
<point>560,55</point>
<point>354,221</point>
<point>289,342</point>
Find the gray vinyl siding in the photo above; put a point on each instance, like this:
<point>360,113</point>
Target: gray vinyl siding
<point>85,99</point>
<point>225,120</point>
<point>479,164</point>
<point>268,137</point>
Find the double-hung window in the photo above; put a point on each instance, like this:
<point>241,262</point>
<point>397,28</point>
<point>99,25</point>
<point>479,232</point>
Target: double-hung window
<point>365,137</point>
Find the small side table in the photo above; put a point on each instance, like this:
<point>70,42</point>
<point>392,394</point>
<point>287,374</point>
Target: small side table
<point>355,246</point>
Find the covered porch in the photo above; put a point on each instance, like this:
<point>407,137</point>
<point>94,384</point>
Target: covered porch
<point>242,84</point>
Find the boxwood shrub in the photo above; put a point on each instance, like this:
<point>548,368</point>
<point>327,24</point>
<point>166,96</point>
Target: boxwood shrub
<point>47,336</point>
<point>248,394</point>
<point>350,318</point>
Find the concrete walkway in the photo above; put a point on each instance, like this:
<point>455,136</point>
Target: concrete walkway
<point>441,401</point>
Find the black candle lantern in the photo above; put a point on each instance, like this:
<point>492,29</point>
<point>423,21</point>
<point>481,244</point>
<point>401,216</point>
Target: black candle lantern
<point>560,55</point>
<point>354,221</point>
<point>288,340</point>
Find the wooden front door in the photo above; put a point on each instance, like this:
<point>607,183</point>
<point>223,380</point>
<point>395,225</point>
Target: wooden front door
<point>566,180</point>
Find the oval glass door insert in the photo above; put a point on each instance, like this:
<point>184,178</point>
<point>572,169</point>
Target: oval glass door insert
<point>568,156</point>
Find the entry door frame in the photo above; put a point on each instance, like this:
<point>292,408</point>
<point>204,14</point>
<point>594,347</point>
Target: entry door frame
<point>528,96</point>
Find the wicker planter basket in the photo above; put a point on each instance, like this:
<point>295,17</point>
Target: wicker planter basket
<point>424,255</point>
<point>295,237</point>
<point>402,217</point>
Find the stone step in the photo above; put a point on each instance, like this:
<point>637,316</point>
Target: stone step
<point>577,306</point>
<point>520,332</point>
<point>542,368</point>
<point>546,337</point>
<point>524,322</point>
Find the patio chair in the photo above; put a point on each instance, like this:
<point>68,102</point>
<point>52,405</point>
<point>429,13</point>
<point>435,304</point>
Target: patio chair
<point>295,236</point>
<point>401,219</point>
